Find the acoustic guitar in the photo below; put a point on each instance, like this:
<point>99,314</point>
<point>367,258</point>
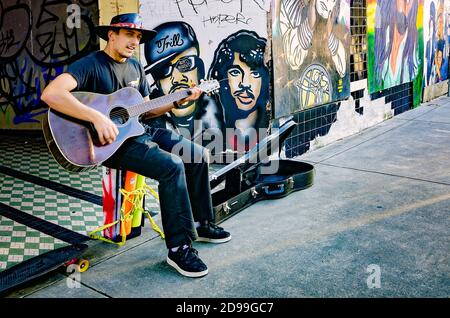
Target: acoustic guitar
<point>75,144</point>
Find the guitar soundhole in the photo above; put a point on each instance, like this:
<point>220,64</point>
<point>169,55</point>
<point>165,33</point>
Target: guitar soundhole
<point>119,115</point>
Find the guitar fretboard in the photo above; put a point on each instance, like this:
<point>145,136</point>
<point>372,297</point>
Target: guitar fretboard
<point>139,109</point>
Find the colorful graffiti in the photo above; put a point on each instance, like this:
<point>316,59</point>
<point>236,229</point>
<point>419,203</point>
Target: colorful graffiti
<point>62,31</point>
<point>307,72</point>
<point>395,35</point>
<point>194,41</point>
<point>436,42</point>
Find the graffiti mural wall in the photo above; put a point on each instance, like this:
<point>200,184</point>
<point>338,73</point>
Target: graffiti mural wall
<point>311,40</point>
<point>395,36</point>
<point>38,39</point>
<point>223,40</point>
<point>435,37</point>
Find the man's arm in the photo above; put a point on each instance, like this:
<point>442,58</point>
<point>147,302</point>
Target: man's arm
<point>57,96</point>
<point>158,111</point>
<point>194,95</point>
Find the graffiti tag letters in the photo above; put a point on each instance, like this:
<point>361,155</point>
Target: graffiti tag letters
<point>7,41</point>
<point>12,35</point>
<point>167,42</point>
<point>62,32</point>
<point>227,18</point>
<point>195,6</point>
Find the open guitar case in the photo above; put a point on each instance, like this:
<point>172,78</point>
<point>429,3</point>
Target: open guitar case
<point>258,175</point>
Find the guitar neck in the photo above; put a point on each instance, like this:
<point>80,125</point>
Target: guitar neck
<point>140,109</point>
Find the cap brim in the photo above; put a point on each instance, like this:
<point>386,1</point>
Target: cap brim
<point>102,32</point>
<point>149,68</point>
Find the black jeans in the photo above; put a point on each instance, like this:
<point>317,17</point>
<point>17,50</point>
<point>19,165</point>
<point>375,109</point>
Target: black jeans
<point>184,190</point>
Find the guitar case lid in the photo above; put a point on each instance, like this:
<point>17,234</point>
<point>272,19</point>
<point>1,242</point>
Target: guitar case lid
<point>262,151</point>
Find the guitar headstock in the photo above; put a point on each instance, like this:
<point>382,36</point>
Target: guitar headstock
<point>209,86</point>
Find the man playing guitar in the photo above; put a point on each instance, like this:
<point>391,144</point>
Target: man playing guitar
<point>184,190</point>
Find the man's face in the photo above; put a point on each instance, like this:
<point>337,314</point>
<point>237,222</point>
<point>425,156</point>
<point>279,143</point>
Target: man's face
<point>324,7</point>
<point>180,73</point>
<point>125,42</point>
<point>245,84</point>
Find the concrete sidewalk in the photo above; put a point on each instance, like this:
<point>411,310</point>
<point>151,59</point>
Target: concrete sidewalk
<point>381,201</point>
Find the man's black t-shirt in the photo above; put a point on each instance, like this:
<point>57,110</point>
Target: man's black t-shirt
<point>99,73</point>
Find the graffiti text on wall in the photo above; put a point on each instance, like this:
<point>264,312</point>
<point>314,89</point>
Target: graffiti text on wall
<point>62,31</point>
<point>219,39</point>
<point>186,7</point>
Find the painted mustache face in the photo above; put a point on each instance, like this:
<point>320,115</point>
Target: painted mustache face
<point>180,73</point>
<point>245,95</point>
<point>245,83</point>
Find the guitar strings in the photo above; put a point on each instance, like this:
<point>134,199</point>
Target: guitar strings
<point>121,113</point>
<point>118,114</point>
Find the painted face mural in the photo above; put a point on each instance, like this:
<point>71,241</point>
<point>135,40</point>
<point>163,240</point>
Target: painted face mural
<point>440,21</point>
<point>180,73</point>
<point>173,61</point>
<point>239,66</point>
<point>188,41</point>
<point>393,31</point>
<point>436,62</point>
<point>244,81</point>
<point>312,39</point>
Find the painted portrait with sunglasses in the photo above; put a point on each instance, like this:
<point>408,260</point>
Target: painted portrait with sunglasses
<point>173,60</point>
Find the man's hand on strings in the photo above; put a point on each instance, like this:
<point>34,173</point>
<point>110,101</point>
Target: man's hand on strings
<point>195,93</point>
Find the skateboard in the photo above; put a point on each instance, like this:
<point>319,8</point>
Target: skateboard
<point>40,265</point>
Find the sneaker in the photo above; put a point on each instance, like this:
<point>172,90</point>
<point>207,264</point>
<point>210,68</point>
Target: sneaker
<point>212,233</point>
<point>186,261</point>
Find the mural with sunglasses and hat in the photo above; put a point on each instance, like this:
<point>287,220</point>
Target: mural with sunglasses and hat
<point>174,63</point>
<point>222,41</point>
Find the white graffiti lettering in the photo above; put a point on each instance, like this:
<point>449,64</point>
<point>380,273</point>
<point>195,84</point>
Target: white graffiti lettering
<point>74,16</point>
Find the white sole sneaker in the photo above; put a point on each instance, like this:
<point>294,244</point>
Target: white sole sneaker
<point>210,240</point>
<point>183,272</point>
